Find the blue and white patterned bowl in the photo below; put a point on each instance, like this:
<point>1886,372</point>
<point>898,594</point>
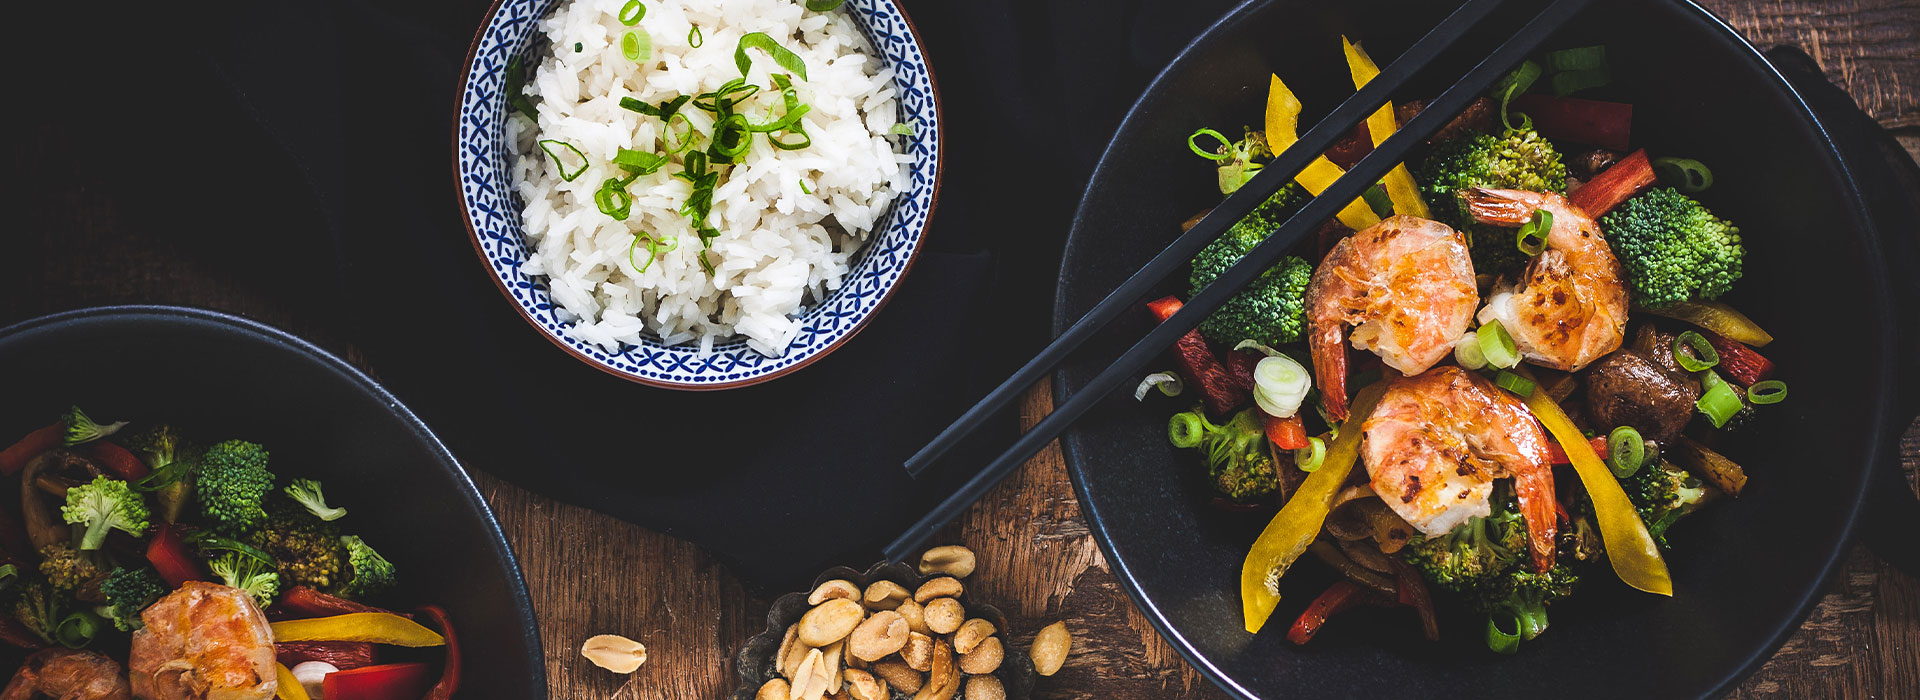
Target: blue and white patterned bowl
<point>493,210</point>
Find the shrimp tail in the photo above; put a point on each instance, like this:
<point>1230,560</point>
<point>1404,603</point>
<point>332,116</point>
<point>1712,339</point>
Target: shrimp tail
<point>1534,485</point>
<point>1499,207</point>
<point>1329,354</point>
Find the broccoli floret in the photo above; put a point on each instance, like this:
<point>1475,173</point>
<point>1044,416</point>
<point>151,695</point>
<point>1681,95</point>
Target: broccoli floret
<point>129,591</point>
<point>233,482</point>
<point>82,429</point>
<point>66,568</point>
<point>1474,555</point>
<point>307,493</point>
<point>104,505</point>
<point>1237,458</point>
<point>252,576</point>
<point>1272,309</point>
<point>172,460</point>
<point>1673,249</point>
<point>37,608</point>
<point>1524,596</point>
<point>309,550</point>
<point>1517,159</point>
<point>371,572</point>
<point>1663,494</point>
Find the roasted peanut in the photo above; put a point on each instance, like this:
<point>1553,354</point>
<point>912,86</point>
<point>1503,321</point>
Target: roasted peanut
<point>985,688</point>
<point>831,667</point>
<point>943,680</point>
<point>881,634</point>
<point>614,653</point>
<point>884,595</point>
<point>918,653</point>
<point>899,675</point>
<point>837,588</point>
<point>971,633</point>
<point>915,616</point>
<point>952,560</point>
<point>775,689</point>
<point>944,615</point>
<point>830,622</point>
<point>791,652</point>
<point>943,587</point>
<point>804,675</point>
<point>864,686</point>
<point>984,658</point>
<point>1050,648</point>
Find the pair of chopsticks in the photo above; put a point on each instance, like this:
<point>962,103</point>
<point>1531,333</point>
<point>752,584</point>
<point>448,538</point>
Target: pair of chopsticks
<point>1251,195</point>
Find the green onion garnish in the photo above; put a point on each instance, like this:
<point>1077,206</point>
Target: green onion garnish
<point>731,139</point>
<point>640,162</point>
<point>1532,238</point>
<point>1626,451</point>
<point>1499,640</point>
<point>1309,458</point>
<point>1184,430</point>
<point>1574,81</point>
<point>695,38</point>
<point>548,146</point>
<point>633,105</point>
<point>686,135</point>
<point>77,629</point>
<point>1520,386</point>
<point>577,47</point>
<point>1720,401</point>
<point>612,199</point>
<point>721,101</point>
<point>1497,346</point>
<point>804,141</point>
<point>1702,357</point>
<point>655,248</point>
<point>794,110</point>
<point>636,46</point>
<point>1214,155</point>
<point>1583,58</point>
<point>8,573</point>
<point>1685,174</point>
<point>804,188</point>
<point>1376,198</point>
<point>759,40</point>
<point>903,129</point>
<point>1769,391</point>
<point>516,80</point>
<point>631,13</point>
<point>824,5</point>
<point>1518,82</point>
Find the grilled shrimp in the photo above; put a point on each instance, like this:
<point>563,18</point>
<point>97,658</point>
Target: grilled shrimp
<point>203,642</point>
<point>66,674</point>
<point>1436,442</point>
<point>1570,307</point>
<point>1405,285</point>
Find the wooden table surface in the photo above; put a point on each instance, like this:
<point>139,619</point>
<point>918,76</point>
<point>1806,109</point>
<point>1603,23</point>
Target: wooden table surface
<point>1038,561</point>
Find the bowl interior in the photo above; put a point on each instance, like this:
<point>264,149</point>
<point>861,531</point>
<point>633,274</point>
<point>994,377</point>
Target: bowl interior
<point>493,209</point>
<point>218,379</point>
<point>1745,571</point>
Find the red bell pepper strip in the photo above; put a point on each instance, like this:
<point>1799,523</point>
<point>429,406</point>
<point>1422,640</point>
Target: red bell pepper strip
<point>1604,124</point>
<point>1343,594</point>
<point>1413,594</point>
<point>1737,360</point>
<point>1614,185</point>
<point>450,670</point>
<point>118,461</point>
<point>1559,456</point>
<point>15,457</point>
<point>302,602</point>
<point>172,558</point>
<point>408,681</point>
<point>1219,392</point>
<point>1287,433</point>
<point>343,655</point>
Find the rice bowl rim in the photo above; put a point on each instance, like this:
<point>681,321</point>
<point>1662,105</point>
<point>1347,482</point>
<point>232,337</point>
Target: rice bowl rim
<point>886,293</point>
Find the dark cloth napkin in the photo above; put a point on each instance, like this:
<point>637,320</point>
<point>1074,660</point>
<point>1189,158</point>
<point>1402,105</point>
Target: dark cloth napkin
<point>305,150</point>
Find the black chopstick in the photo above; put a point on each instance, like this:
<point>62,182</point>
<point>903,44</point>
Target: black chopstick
<point>1368,171</point>
<point>1250,196</point>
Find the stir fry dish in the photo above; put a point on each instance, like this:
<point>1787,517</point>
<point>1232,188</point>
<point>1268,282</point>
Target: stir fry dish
<point>146,564</point>
<point>1539,374</point>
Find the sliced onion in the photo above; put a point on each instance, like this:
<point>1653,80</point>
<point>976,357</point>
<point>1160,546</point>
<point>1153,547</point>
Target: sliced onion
<point>1466,351</point>
<point>1168,383</point>
<point>1280,385</point>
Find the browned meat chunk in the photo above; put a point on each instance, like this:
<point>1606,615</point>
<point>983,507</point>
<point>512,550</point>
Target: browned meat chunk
<point>67,674</point>
<point>1629,388</point>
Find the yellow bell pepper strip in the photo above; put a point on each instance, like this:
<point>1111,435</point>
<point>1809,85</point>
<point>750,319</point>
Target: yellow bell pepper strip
<point>1283,123</point>
<point>379,628</point>
<point>1299,521</point>
<point>1716,317</point>
<point>1380,125</point>
<point>1636,559</point>
<point>289,687</point>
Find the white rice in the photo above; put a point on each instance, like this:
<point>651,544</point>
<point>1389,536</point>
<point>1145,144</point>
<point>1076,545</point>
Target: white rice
<point>780,247</point>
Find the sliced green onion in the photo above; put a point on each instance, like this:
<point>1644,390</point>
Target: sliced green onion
<point>516,80</point>
<point>1520,386</point>
<point>804,188</point>
<point>1280,385</point>
<point>8,573</point>
<point>1720,402</point>
<point>1685,174</point>
<point>1378,200</point>
<point>636,46</point>
<point>1185,430</point>
<point>612,199</point>
<point>1583,58</point>
<point>631,13</point>
<point>77,629</point>
<point>641,162</point>
<point>1168,383</point>
<point>1309,458</point>
<point>687,135</point>
<point>791,100</point>
<point>1499,640</point>
<point>1251,344</point>
<point>1532,238</point>
<point>1497,346</point>
<point>721,101</point>
<point>548,146</point>
<point>903,129</point>
<point>1574,81</point>
<point>1626,451</point>
<point>731,139</point>
<point>695,38</point>
<point>759,40</point>
<point>655,248</point>
<point>1769,391</point>
<point>634,105</point>
<point>1702,357</point>
<point>577,47</point>
<point>805,140</point>
<point>824,5</point>
<point>1214,155</point>
<point>1466,352</point>
<point>1516,82</point>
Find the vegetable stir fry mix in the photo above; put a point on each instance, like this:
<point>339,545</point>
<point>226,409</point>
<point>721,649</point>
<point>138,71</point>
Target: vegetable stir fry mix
<point>1530,313</point>
<point>146,561</point>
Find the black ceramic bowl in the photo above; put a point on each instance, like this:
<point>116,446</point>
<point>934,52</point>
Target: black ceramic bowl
<point>222,376</point>
<point>1745,572</point>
